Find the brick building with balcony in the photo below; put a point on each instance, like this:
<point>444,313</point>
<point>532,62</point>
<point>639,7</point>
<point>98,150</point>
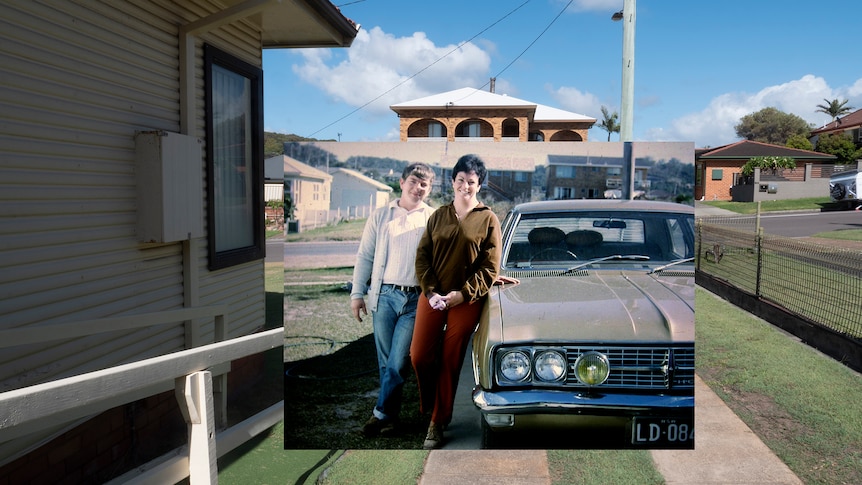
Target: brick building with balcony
<point>470,114</point>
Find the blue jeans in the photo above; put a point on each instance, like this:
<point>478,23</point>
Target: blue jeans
<point>393,333</point>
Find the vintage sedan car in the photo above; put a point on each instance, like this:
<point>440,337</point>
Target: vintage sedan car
<point>591,325</point>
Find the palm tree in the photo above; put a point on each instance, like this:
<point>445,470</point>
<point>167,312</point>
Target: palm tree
<point>834,108</point>
<point>609,122</point>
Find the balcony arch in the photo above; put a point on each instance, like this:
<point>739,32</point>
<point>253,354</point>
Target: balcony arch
<point>474,128</point>
<point>511,128</point>
<point>427,128</point>
<point>566,135</point>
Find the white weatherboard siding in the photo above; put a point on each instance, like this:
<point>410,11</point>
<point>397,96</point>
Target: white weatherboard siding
<point>78,82</point>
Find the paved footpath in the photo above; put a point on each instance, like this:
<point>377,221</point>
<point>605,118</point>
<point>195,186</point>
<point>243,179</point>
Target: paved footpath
<point>726,452</point>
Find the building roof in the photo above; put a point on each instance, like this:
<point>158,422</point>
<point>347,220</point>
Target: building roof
<point>295,169</point>
<point>298,23</point>
<point>362,178</point>
<point>853,120</point>
<point>745,149</point>
<point>475,98</point>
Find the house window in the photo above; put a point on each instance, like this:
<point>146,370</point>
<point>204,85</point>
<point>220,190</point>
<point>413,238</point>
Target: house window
<point>234,123</point>
<point>565,171</point>
<point>436,129</point>
<point>717,174</point>
<point>520,176</point>
<point>470,129</point>
<point>564,193</point>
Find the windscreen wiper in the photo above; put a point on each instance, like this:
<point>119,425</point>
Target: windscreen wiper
<point>672,263</point>
<point>635,257</point>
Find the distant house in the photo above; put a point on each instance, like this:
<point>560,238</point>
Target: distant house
<point>309,190</point>
<point>851,125</point>
<point>469,114</point>
<point>718,173</point>
<point>131,227</point>
<point>355,195</point>
<point>590,177</point>
<point>273,179</point>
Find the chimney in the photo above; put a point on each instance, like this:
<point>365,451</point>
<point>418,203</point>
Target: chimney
<point>493,82</point>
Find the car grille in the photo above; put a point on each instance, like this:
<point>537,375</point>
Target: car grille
<point>641,367</point>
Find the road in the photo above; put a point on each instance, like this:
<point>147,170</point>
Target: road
<point>803,224</point>
<point>328,254</point>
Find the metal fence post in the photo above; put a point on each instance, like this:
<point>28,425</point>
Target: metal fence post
<point>758,246</point>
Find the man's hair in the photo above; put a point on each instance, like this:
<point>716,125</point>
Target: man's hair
<point>470,163</point>
<point>420,170</point>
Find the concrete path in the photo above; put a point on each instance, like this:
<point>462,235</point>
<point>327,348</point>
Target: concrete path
<point>726,452</point>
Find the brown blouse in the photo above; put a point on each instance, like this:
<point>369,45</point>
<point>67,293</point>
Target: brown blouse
<point>460,255</point>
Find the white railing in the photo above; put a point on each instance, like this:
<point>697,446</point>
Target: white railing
<point>42,406</point>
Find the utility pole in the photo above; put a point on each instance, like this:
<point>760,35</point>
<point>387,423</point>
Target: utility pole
<point>628,16</point>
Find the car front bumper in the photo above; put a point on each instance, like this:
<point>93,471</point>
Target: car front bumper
<point>579,407</point>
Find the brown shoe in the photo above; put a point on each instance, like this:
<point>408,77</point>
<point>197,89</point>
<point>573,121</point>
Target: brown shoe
<point>434,437</point>
<point>372,427</point>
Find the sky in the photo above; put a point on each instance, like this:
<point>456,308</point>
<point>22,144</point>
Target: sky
<point>699,66</point>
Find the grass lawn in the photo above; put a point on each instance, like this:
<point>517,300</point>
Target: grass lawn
<point>814,203</point>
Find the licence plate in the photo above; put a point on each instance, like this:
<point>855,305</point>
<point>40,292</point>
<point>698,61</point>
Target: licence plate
<point>674,432</point>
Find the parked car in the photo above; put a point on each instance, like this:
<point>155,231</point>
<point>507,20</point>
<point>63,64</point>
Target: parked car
<point>844,188</point>
<point>591,324</point>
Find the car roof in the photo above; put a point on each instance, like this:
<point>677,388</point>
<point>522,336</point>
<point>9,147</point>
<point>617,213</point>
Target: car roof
<point>600,204</point>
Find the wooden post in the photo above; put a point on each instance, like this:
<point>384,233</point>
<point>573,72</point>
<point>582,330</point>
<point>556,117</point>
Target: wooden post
<point>194,393</point>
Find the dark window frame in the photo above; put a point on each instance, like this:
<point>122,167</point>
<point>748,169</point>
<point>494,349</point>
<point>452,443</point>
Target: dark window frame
<point>219,259</point>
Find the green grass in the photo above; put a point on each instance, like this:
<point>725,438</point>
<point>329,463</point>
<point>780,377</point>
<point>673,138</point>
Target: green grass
<point>371,467</point>
<point>343,231</point>
<point>815,203</point>
<point>620,467</point>
<point>842,235</point>
<point>803,405</point>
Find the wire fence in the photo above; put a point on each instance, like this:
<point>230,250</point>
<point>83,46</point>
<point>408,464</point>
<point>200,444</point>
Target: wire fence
<point>821,283</point>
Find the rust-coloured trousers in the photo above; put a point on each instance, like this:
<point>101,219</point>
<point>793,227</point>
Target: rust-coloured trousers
<point>437,356</point>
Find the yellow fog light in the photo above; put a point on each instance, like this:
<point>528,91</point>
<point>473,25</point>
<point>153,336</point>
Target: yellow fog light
<point>592,368</point>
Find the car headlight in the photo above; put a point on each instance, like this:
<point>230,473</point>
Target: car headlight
<point>515,365</point>
<point>550,366</point>
<point>592,368</point>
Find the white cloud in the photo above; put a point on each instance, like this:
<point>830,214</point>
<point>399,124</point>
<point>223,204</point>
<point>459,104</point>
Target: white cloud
<point>714,125</point>
<point>377,62</point>
<point>573,99</point>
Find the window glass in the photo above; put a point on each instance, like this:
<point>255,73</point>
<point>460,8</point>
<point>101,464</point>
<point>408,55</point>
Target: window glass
<point>235,173</point>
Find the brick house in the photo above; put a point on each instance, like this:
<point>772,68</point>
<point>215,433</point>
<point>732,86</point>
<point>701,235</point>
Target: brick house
<point>470,114</point>
<point>718,170</point>
<point>850,125</point>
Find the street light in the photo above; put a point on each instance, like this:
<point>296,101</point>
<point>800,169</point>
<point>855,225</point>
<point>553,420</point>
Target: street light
<point>627,15</point>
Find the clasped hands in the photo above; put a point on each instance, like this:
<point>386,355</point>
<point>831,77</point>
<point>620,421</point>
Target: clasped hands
<point>443,302</point>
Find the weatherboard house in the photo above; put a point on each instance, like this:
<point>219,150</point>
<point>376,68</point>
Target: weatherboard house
<point>132,245</point>
<point>469,114</point>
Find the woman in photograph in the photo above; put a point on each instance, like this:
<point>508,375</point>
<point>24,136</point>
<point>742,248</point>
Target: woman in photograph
<point>457,262</point>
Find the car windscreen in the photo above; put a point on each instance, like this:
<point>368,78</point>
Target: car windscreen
<point>563,237</point>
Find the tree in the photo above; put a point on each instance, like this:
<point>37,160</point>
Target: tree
<point>834,108</point>
<point>799,142</point>
<point>840,145</point>
<point>609,122</point>
<point>771,125</point>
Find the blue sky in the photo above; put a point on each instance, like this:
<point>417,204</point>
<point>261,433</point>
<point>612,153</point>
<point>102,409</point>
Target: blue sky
<point>699,66</point>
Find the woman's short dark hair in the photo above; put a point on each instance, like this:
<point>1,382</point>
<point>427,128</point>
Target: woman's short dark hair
<point>470,163</point>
